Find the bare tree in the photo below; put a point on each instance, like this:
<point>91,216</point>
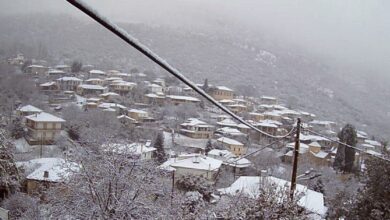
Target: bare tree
<point>111,186</point>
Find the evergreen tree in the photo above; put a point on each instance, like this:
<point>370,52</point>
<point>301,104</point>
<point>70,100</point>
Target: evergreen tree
<point>159,145</point>
<point>373,202</point>
<point>209,146</point>
<point>76,66</point>
<point>25,65</point>
<point>345,156</point>
<point>205,86</point>
<point>16,129</point>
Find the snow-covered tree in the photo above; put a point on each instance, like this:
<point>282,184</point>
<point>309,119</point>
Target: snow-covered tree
<point>9,175</point>
<point>188,183</point>
<point>22,206</point>
<point>272,203</point>
<point>373,202</point>
<point>110,186</point>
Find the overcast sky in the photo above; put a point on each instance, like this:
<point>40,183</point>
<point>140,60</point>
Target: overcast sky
<point>348,31</point>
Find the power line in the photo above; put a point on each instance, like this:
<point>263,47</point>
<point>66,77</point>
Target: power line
<point>268,145</point>
<point>347,145</point>
<point>132,41</point>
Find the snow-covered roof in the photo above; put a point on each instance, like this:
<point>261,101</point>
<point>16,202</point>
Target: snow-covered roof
<point>124,83</point>
<point>58,169</point>
<point>111,105</point>
<point>187,98</point>
<point>167,164</point>
<point>288,112</point>
<point>229,141</point>
<point>321,154</point>
<point>195,122</point>
<point>318,122</point>
<point>198,162</point>
<point>303,148</point>
<point>69,78</point>
<point>141,74</point>
<point>277,107</point>
<point>93,87</point>
<point>374,143</point>
<point>29,108</point>
<point>304,137</point>
<point>237,105</point>
<point>242,126</point>
<point>44,117</point>
<point>113,79</point>
<point>273,113</point>
<point>62,66</point>
<point>93,79</point>
<point>36,66</point>
<point>255,113</point>
<point>138,111</point>
<point>238,162</point>
<point>121,74</point>
<point>109,94</point>
<point>315,144</point>
<point>268,97</point>
<point>266,123</point>
<point>97,72</point>
<point>224,101</point>
<point>224,88</point>
<point>55,71</point>
<point>227,122</point>
<point>152,95</point>
<point>368,146</point>
<point>250,186</point>
<point>48,84</point>
<point>93,100</point>
<point>228,130</point>
<point>109,110</point>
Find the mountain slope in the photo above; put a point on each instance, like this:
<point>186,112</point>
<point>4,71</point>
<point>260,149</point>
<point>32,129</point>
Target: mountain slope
<point>247,63</point>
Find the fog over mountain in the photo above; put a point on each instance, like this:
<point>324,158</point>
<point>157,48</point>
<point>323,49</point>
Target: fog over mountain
<point>350,31</point>
<point>329,57</point>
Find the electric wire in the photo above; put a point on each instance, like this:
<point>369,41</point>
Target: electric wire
<point>347,145</point>
<point>132,41</point>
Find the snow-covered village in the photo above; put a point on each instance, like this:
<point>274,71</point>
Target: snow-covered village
<point>80,139</point>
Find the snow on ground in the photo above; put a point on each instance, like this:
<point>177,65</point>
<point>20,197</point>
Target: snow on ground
<point>22,146</point>
<point>24,151</point>
<point>80,101</point>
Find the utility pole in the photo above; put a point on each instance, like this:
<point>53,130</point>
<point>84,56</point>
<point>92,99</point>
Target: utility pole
<point>173,186</point>
<point>295,162</point>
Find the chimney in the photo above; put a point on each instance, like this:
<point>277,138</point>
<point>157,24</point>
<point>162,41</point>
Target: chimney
<point>46,174</point>
<point>195,159</point>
